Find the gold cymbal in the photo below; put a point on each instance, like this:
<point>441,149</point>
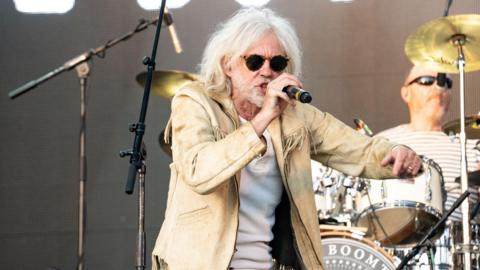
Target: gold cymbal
<point>166,82</point>
<point>472,126</point>
<point>435,44</point>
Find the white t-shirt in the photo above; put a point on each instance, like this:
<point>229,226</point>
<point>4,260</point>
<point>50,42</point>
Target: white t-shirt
<point>260,192</point>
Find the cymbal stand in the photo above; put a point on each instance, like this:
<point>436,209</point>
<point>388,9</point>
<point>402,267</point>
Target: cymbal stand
<point>459,40</point>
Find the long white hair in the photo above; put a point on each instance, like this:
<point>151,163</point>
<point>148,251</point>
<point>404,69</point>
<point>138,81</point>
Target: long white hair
<point>235,36</point>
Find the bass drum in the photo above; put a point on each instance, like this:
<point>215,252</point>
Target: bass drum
<point>399,212</point>
<point>347,250</point>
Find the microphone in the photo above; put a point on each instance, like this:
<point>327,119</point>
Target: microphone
<point>362,127</point>
<point>168,19</point>
<point>441,80</point>
<point>297,94</point>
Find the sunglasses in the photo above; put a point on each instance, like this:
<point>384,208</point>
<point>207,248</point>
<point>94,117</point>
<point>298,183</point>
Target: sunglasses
<point>277,63</point>
<point>429,80</point>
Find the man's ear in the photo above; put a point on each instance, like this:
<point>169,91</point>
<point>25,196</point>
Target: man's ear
<point>405,93</point>
<point>227,68</point>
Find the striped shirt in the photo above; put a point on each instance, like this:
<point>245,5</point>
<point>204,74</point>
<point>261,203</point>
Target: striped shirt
<point>445,151</point>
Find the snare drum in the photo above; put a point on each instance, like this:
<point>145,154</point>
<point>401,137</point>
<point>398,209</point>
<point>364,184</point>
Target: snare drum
<point>399,212</point>
<point>346,250</point>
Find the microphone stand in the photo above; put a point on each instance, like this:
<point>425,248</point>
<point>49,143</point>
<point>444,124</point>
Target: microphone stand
<point>416,249</point>
<point>137,159</point>
<point>83,70</point>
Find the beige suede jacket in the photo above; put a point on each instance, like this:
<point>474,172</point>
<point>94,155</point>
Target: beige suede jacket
<point>210,147</point>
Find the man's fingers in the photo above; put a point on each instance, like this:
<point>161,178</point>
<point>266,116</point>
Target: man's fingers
<point>405,161</point>
<point>398,167</point>
<point>387,160</point>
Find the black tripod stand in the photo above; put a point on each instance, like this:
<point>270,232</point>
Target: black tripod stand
<point>426,239</point>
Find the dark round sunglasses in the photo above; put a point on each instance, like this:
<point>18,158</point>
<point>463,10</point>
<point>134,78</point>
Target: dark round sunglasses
<point>429,80</point>
<point>277,63</point>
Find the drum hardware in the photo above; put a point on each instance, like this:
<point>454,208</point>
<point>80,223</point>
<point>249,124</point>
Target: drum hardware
<point>462,248</point>
<point>360,184</point>
<point>344,198</point>
<point>459,248</point>
<point>475,229</point>
<point>323,189</point>
<point>383,191</point>
<point>335,198</point>
<point>428,186</point>
<point>472,127</point>
<point>361,127</point>
<point>339,200</point>
<point>433,230</point>
<point>166,83</point>
<point>474,213</point>
<point>473,178</point>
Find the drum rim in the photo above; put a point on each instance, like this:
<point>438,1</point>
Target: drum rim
<point>394,205</point>
<point>389,204</point>
<point>357,237</point>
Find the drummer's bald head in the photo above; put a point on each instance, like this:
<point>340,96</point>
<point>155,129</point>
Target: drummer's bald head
<point>425,98</point>
<point>417,71</point>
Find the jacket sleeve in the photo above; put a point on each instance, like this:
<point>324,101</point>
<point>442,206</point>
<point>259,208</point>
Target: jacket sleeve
<point>206,157</point>
<point>338,146</point>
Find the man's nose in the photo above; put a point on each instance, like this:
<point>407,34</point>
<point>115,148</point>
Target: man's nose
<point>266,70</point>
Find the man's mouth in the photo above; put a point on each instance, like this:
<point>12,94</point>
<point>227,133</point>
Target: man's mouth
<point>263,87</point>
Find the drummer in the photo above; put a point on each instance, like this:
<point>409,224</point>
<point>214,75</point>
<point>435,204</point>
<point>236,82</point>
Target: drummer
<point>427,95</point>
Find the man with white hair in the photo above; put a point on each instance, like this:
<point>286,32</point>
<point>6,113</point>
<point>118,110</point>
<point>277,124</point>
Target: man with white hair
<point>240,193</point>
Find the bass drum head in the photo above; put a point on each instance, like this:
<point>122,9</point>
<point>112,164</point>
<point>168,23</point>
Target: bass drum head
<point>343,250</point>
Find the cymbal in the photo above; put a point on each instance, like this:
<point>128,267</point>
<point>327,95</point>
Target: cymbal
<point>434,44</point>
<point>166,82</point>
<point>167,148</point>
<point>472,126</point>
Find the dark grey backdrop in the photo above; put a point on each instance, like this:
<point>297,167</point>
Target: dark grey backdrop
<point>353,65</point>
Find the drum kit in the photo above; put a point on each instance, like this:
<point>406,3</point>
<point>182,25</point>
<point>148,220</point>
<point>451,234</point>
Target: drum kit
<point>374,224</point>
<point>371,224</point>
<point>385,215</point>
